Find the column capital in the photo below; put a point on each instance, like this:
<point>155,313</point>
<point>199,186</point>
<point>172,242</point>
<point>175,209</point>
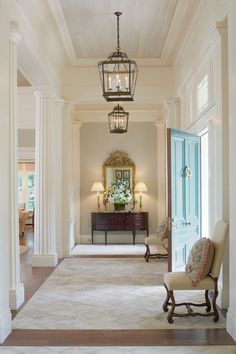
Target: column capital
<point>45,92</point>
<point>172,101</point>
<point>160,123</point>
<point>77,124</point>
<point>15,35</point>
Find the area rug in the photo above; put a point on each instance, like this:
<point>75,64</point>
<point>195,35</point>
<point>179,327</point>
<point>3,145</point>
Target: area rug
<point>23,249</point>
<point>115,250</point>
<point>106,293</point>
<point>120,350</point>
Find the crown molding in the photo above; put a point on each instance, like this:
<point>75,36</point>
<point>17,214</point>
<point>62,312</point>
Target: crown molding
<point>57,13</point>
<point>181,20</point>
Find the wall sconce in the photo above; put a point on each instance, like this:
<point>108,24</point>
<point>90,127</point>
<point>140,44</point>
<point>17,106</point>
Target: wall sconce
<point>97,187</point>
<point>140,187</point>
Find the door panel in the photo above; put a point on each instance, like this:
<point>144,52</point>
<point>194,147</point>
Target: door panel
<point>184,195</point>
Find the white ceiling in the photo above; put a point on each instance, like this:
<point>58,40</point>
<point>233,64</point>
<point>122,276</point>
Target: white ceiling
<point>144,26</point>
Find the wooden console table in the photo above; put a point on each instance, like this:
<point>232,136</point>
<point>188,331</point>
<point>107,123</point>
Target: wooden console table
<point>119,222</point>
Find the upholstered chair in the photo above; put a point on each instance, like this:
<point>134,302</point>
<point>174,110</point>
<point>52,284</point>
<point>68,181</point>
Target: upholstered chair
<point>157,246</point>
<point>180,281</point>
<point>23,216</point>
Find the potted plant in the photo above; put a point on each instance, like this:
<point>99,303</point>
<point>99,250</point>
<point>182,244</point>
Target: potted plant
<point>119,194</point>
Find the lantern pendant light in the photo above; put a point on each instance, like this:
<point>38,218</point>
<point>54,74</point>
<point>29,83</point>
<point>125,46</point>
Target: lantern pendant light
<point>118,120</point>
<point>118,73</point>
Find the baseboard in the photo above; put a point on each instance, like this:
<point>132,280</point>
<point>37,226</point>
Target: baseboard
<point>231,323</point>
<point>222,298</point>
<point>5,325</point>
<point>16,297</point>
<point>60,252</point>
<point>113,238</point>
<point>44,260</point>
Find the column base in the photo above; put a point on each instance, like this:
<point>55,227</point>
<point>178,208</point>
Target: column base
<point>5,325</point>
<point>44,260</point>
<point>16,297</point>
<point>60,252</point>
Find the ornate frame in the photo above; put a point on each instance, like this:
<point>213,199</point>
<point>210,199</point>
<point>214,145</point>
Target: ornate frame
<point>119,159</point>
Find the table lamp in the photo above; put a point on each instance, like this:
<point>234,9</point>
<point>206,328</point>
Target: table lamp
<point>97,187</point>
<point>140,187</point>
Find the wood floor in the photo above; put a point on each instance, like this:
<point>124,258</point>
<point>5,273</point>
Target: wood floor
<point>34,278</point>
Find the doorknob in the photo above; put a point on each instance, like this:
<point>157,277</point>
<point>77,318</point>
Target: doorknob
<point>188,223</point>
<point>187,171</point>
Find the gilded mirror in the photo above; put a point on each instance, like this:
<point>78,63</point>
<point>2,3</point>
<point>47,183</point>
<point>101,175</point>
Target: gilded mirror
<point>119,167</point>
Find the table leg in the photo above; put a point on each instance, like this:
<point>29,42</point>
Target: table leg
<point>92,236</point>
<point>134,234</point>
<point>105,238</point>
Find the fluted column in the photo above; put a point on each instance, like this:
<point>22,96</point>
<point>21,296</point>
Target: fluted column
<point>57,173</point>
<point>16,289</point>
<point>161,170</point>
<point>76,179</point>
<point>45,238</point>
<point>67,180</point>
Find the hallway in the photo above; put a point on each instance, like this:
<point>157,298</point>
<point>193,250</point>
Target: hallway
<point>107,335</point>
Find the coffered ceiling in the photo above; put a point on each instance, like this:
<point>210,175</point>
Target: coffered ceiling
<point>144,26</point>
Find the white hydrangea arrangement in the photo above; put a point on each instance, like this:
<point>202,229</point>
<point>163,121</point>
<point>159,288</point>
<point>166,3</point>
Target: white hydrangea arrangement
<point>118,193</point>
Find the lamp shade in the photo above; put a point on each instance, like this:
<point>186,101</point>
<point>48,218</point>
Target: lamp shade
<point>97,187</point>
<point>140,187</point>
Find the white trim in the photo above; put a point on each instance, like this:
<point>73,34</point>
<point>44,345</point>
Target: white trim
<point>5,325</point>
<point>44,260</point>
<point>16,297</point>
<point>59,17</point>
<point>26,154</point>
<point>60,252</point>
<point>231,323</point>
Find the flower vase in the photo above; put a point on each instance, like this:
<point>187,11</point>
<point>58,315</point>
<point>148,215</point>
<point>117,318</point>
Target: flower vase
<point>119,207</point>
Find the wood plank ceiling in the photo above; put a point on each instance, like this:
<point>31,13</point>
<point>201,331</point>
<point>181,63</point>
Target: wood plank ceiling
<point>144,26</point>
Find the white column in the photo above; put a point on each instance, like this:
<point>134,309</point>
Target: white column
<point>172,113</point>
<point>67,180</point>
<point>57,173</point>
<point>231,314</point>
<point>222,99</point>
<point>161,170</point>
<point>5,213</point>
<point>76,181</point>
<point>16,289</point>
<point>45,229</point>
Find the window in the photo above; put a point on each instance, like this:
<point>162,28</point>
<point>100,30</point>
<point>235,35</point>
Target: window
<point>202,94</point>
<point>26,185</point>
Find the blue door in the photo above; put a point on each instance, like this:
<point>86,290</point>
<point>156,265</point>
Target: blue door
<point>183,195</point>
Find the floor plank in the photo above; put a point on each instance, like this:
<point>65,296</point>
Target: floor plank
<point>175,337</point>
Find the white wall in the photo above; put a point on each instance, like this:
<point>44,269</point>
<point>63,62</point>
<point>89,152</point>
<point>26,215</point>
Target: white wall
<point>5,315</point>
<point>96,145</point>
<point>82,85</point>
<point>202,53</point>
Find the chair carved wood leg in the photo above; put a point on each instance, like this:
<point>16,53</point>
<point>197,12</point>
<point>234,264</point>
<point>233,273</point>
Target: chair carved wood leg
<point>166,302</point>
<point>147,254</point>
<point>171,312</point>
<point>216,313</point>
<point>208,303</point>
